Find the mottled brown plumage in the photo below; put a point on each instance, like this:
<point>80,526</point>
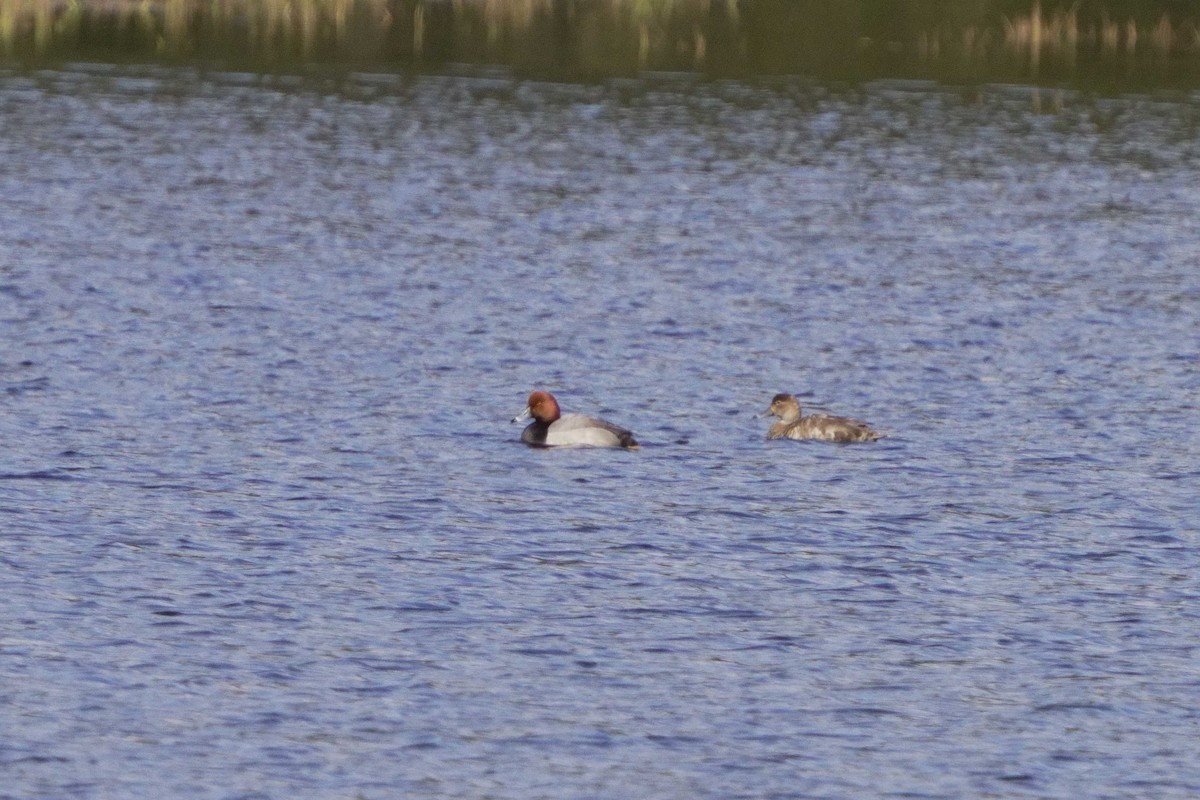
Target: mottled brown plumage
<point>792,425</point>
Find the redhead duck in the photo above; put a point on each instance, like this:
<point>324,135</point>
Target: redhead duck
<point>552,428</point>
<point>815,426</point>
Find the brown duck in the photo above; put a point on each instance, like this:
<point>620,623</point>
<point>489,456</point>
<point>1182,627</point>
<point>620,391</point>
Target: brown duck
<point>792,425</point>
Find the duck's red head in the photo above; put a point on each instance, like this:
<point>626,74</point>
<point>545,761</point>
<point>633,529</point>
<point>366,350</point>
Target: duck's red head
<point>543,407</point>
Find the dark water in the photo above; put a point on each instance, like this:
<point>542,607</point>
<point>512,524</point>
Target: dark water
<point>267,531</point>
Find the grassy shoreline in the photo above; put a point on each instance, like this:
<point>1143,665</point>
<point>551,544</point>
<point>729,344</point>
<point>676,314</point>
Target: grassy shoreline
<point>1081,43</point>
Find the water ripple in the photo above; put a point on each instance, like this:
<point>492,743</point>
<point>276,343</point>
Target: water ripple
<point>260,486</point>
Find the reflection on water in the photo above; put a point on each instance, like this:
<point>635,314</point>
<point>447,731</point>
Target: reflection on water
<point>268,532</point>
<point>1083,43</point>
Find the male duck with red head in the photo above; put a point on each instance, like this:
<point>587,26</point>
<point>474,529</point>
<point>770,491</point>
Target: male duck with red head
<point>552,428</point>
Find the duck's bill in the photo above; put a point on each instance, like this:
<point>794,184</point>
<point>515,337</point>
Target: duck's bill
<point>523,415</point>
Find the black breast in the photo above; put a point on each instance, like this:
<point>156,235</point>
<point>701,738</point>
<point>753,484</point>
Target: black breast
<point>535,434</point>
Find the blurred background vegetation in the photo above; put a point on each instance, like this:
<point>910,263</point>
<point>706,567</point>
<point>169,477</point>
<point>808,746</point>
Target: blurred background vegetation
<point>1099,43</point>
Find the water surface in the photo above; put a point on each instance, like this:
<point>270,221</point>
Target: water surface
<point>268,532</point>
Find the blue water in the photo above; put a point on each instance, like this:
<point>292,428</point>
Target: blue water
<point>267,531</point>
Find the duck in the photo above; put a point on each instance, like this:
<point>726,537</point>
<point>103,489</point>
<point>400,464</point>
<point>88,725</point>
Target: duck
<point>827,428</point>
<point>552,428</point>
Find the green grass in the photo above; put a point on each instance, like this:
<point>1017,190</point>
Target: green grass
<point>962,42</point>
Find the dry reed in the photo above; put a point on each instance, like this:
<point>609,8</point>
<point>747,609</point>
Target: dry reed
<point>605,34</point>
